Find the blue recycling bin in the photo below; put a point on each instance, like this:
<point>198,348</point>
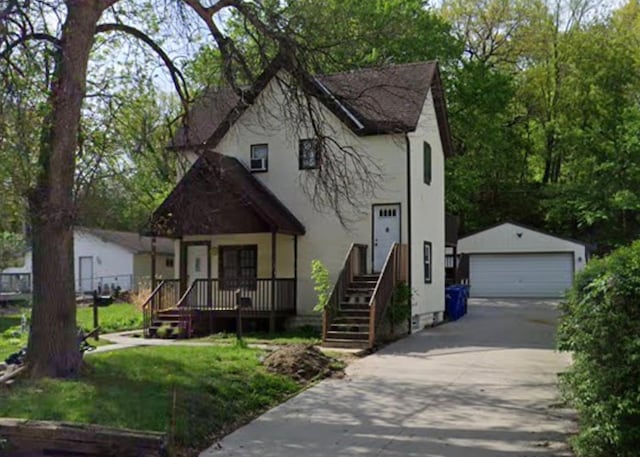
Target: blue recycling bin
<point>456,301</point>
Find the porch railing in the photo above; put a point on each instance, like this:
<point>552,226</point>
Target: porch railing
<point>355,263</point>
<point>164,297</point>
<point>15,283</point>
<point>221,294</point>
<point>394,271</point>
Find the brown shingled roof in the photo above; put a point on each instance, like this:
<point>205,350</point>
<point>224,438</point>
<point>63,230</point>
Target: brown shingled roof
<point>370,101</point>
<point>219,195</point>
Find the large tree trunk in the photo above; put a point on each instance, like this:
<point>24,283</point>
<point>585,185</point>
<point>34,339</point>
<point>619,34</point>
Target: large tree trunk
<point>53,348</point>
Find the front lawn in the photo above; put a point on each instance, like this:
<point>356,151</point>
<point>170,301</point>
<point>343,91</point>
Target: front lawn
<point>216,389</point>
<point>117,317</point>
<point>114,318</point>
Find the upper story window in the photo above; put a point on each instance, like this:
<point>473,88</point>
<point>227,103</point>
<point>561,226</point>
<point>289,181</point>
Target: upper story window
<point>259,157</point>
<point>426,157</point>
<point>309,154</point>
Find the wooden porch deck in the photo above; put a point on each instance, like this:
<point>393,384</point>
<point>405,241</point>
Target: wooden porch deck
<point>208,302</point>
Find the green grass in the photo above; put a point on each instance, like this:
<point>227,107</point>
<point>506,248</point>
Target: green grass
<point>301,335</point>
<point>10,339</point>
<point>217,388</point>
<point>114,318</point>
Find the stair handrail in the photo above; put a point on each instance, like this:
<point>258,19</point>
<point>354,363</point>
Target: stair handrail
<point>347,273</point>
<point>393,273</point>
<point>185,314</point>
<point>148,308</point>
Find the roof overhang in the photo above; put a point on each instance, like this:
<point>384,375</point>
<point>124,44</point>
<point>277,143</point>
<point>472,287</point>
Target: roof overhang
<point>218,195</point>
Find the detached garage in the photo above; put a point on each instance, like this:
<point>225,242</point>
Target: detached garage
<point>511,260</point>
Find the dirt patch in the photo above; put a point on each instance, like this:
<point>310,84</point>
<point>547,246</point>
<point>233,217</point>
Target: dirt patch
<point>303,363</point>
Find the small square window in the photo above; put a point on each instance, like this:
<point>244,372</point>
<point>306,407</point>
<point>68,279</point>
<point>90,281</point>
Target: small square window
<point>259,157</point>
<point>169,262</point>
<point>427,262</point>
<point>427,162</point>
<point>309,154</point>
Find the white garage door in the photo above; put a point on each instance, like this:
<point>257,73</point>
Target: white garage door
<point>520,275</point>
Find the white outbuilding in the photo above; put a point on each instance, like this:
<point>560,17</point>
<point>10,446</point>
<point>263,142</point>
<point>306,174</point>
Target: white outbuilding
<point>103,258</point>
<point>512,260</point>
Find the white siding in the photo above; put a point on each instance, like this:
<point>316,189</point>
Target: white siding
<point>326,239</point>
<point>512,238</point>
<point>428,216</point>
<point>112,264</point>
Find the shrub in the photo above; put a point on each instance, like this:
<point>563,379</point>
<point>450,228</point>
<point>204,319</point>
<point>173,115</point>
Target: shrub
<point>322,284</point>
<point>600,324</point>
<point>399,309</point>
<point>140,297</point>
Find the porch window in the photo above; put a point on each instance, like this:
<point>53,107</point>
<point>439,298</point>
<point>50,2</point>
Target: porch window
<point>427,262</point>
<point>259,157</point>
<point>238,267</point>
<point>309,154</point>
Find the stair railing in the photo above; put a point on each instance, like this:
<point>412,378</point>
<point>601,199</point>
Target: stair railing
<point>355,263</point>
<point>394,271</point>
<point>184,308</point>
<point>163,297</point>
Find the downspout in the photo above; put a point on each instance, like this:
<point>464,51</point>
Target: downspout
<point>408,143</point>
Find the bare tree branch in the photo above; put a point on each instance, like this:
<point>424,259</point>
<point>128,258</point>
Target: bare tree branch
<point>176,75</point>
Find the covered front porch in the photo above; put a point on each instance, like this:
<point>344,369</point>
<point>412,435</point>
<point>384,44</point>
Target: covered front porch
<point>236,249</point>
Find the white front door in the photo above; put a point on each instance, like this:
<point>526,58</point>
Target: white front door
<point>386,231</point>
<point>196,263</point>
<point>85,274</point>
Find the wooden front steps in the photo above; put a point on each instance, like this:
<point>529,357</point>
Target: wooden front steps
<point>174,321</point>
<point>350,327</point>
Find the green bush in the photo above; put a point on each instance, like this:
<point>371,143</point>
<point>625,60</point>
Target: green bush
<point>600,324</point>
<point>399,310</point>
<point>322,284</point>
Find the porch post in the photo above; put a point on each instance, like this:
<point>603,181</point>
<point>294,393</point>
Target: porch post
<point>455,265</point>
<point>295,274</point>
<point>272,314</point>
<point>183,267</point>
<point>153,264</point>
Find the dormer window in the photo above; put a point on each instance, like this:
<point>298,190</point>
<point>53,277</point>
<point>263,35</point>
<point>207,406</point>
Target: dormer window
<point>309,154</point>
<point>259,157</point>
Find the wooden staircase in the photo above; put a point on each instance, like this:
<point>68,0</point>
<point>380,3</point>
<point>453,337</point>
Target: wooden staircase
<point>176,322</point>
<point>355,310</point>
<point>350,326</point>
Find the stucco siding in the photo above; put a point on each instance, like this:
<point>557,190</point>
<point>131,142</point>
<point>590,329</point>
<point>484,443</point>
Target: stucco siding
<point>512,238</point>
<point>142,266</point>
<point>427,217</point>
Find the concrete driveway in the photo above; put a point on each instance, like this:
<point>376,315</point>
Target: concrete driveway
<point>484,386</point>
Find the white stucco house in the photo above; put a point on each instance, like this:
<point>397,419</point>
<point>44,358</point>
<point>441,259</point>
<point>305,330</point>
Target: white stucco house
<point>243,223</point>
<point>513,260</point>
<point>106,258</point>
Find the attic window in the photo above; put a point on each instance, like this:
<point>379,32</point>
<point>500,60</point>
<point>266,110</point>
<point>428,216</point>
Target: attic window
<point>309,154</point>
<point>259,157</point>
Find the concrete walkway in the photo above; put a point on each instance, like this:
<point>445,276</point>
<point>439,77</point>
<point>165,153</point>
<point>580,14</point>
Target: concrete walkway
<point>484,386</point>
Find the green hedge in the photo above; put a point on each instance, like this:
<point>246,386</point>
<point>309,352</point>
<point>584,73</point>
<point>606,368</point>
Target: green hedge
<point>600,324</point>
